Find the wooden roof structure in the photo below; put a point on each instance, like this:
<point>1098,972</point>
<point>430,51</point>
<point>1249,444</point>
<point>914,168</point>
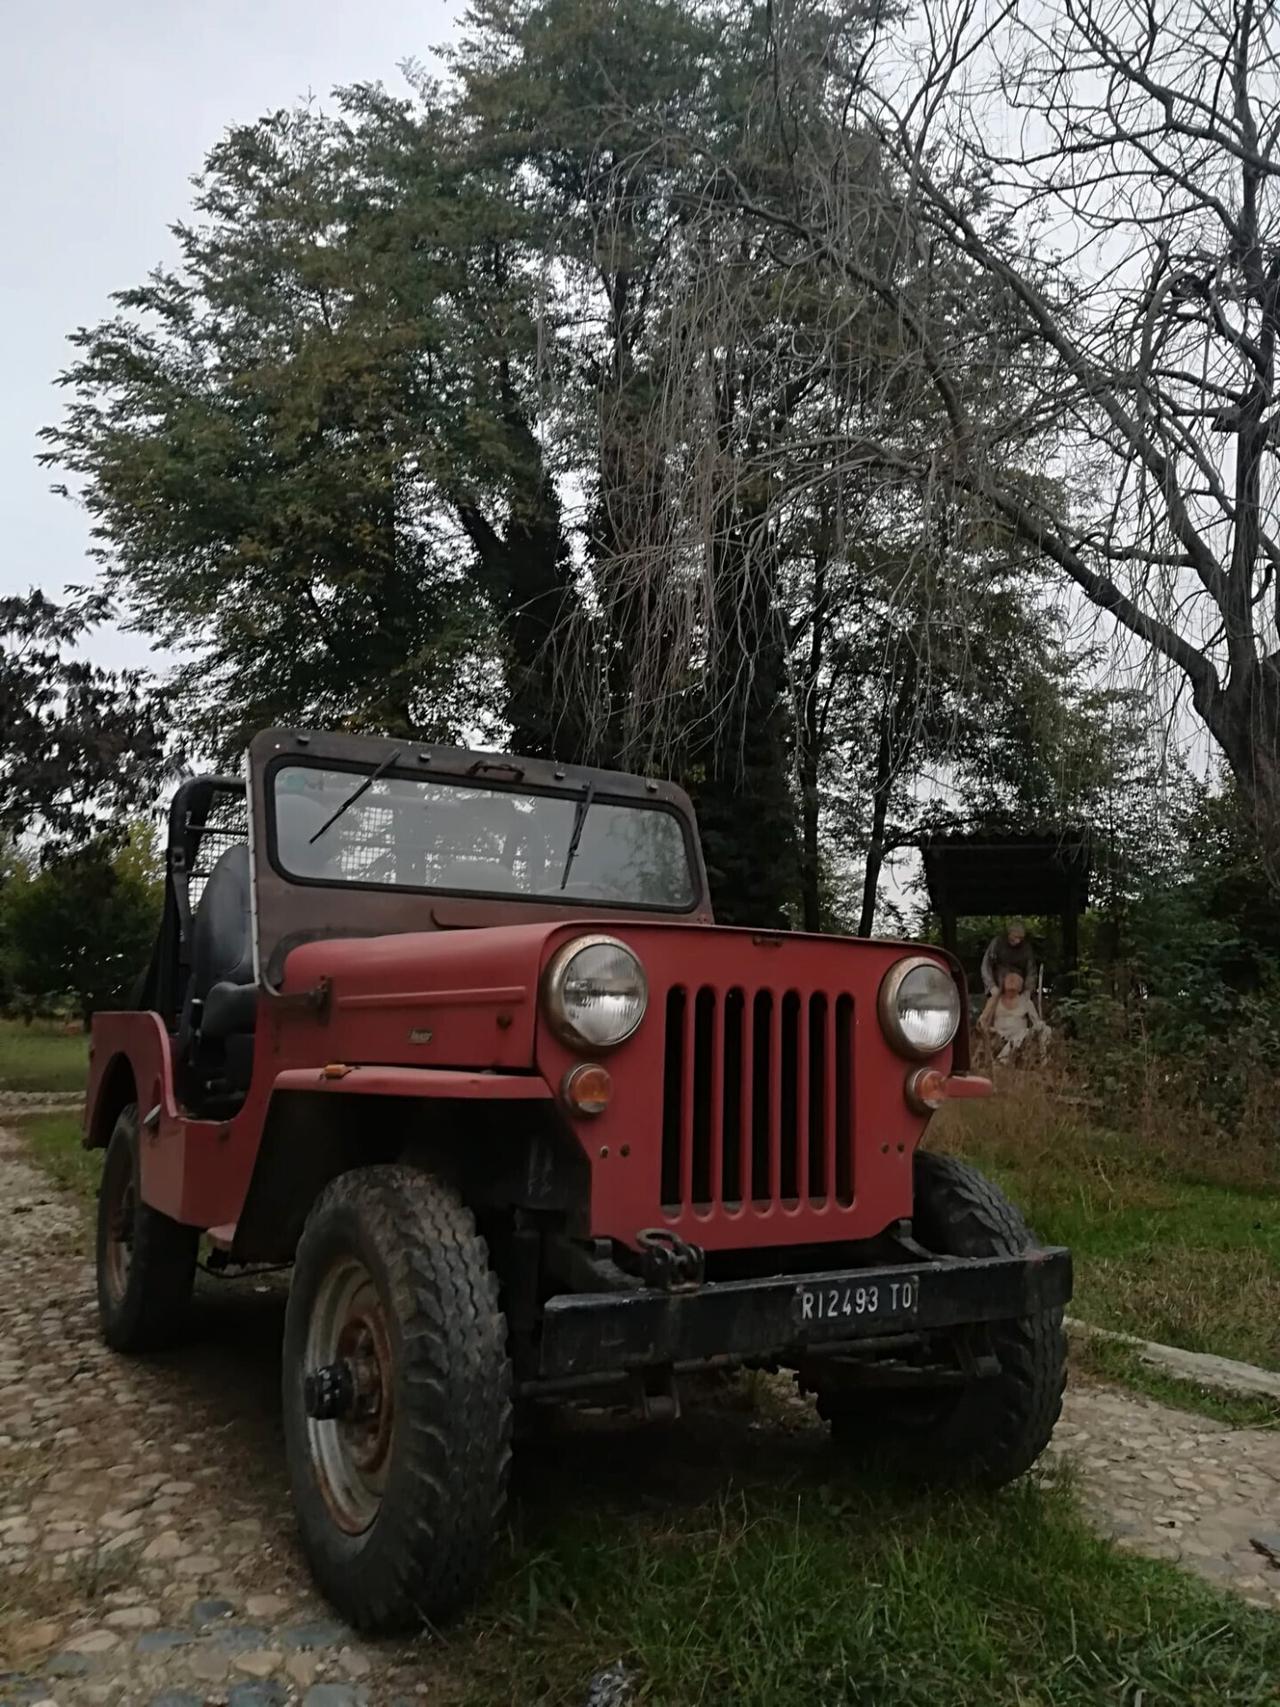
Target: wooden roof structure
<point>982,872</point>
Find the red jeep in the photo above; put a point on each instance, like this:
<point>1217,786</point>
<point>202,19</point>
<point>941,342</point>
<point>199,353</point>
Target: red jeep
<point>457,1036</point>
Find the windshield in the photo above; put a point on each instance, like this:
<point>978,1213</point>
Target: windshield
<point>408,833</point>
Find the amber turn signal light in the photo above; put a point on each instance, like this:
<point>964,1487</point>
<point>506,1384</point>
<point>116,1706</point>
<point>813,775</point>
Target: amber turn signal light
<point>587,1088</point>
<point>927,1088</point>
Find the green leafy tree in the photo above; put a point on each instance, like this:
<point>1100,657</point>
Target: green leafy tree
<point>79,929</point>
<point>303,446</point>
<point>78,744</point>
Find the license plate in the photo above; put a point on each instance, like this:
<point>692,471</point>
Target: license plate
<point>857,1302</point>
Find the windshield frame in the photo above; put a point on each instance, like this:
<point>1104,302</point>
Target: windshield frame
<point>491,783</point>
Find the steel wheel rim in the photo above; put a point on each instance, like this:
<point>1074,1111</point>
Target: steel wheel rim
<point>351,1455</point>
<point>121,1212</point>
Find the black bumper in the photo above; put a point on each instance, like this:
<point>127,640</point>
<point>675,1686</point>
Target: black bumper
<point>594,1333</point>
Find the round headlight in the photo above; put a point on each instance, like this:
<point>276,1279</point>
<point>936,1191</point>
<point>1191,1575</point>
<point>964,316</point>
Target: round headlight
<point>919,1007</point>
<point>595,992</point>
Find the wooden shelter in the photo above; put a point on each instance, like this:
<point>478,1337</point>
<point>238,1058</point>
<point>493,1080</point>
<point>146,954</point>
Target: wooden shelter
<point>982,873</point>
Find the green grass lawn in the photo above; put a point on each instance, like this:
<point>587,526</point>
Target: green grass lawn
<point>41,1056</point>
<point>794,1586</point>
<point>1159,1251</point>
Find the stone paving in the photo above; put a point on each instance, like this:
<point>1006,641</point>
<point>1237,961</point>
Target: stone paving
<point>1174,1485</point>
<point>146,1543</point>
<point>147,1553</point>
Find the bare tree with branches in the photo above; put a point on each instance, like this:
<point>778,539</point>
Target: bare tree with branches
<point>1071,223</point>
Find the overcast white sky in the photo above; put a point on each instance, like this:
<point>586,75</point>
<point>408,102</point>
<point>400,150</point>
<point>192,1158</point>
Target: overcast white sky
<point>108,110</point>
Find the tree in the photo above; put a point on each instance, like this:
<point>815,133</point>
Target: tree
<point>1138,367</point>
<point>79,745</point>
<point>82,926</point>
<point>529,403</point>
<point>251,434</point>
<point>741,589</point>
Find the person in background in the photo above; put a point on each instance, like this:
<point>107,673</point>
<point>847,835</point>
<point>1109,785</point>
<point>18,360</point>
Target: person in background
<point>1010,1018</point>
<point>1010,951</point>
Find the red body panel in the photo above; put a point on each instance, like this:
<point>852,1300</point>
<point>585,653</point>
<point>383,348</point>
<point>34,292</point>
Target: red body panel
<point>625,1142</point>
<point>456,1014</point>
<point>399,1001</point>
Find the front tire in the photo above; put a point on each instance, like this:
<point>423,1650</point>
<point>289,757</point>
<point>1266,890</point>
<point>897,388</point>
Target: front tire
<point>397,1398</point>
<point>146,1262</point>
<point>992,1430</point>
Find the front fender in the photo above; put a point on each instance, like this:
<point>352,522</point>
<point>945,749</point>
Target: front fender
<point>414,1082</point>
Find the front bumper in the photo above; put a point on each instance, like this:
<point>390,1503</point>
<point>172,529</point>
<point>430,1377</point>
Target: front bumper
<point>597,1333</point>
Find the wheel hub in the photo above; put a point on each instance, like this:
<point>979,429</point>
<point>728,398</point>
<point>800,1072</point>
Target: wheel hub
<point>348,1395</point>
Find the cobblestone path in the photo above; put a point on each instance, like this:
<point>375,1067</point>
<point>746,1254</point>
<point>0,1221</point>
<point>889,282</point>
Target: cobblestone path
<point>1174,1485</point>
<point>146,1543</point>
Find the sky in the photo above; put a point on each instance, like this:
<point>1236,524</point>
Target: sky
<point>108,111</point>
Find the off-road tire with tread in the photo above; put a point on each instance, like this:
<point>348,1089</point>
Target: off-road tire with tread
<point>150,1312</point>
<point>992,1430</point>
<point>429,1548</point>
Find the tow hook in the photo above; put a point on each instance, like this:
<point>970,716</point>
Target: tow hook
<point>329,1393</point>
<point>668,1262</point>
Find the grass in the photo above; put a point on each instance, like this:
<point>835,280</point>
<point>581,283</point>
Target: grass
<point>1111,1360</point>
<point>42,1056</point>
<point>1160,1251</point>
<point>839,1591</point>
<point>54,1143</point>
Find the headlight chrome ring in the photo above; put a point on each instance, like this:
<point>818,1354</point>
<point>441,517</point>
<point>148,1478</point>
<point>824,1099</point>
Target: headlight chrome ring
<point>594,992</point>
<point>919,1007</point>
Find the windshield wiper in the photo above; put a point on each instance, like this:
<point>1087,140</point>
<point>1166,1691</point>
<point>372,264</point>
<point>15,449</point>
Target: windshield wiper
<point>579,819</point>
<point>355,794</point>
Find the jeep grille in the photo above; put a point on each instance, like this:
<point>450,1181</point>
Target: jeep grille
<point>757,1099</point>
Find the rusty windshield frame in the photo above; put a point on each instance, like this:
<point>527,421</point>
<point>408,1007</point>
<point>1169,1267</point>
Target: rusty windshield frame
<point>287,904</point>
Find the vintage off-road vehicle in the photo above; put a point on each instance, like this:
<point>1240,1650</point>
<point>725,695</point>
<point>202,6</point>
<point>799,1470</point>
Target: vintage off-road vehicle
<point>457,1036</point>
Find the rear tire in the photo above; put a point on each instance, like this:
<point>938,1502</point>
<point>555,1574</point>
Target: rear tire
<point>994,1429</point>
<point>400,1490</point>
<point>146,1262</point>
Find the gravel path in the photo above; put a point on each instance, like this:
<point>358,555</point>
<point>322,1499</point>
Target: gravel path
<point>146,1544</point>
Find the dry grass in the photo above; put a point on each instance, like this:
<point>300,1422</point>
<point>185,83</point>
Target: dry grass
<point>1173,1240</point>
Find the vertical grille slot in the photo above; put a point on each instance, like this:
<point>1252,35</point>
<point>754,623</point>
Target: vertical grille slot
<point>673,1072</point>
<point>757,1098</point>
<point>789,1086</point>
<point>844,1100</point>
<point>732,1080</point>
<point>819,1100</point>
<point>704,1012</point>
<point>762,1069</point>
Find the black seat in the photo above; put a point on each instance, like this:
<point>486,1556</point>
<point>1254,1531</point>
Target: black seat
<point>222,946</point>
<point>215,1036</point>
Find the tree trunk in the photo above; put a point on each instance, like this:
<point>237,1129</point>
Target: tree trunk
<point>876,842</point>
<point>809,742</point>
<point>1244,719</point>
<point>810,864</point>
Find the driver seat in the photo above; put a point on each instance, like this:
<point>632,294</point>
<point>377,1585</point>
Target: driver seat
<point>215,1034</point>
